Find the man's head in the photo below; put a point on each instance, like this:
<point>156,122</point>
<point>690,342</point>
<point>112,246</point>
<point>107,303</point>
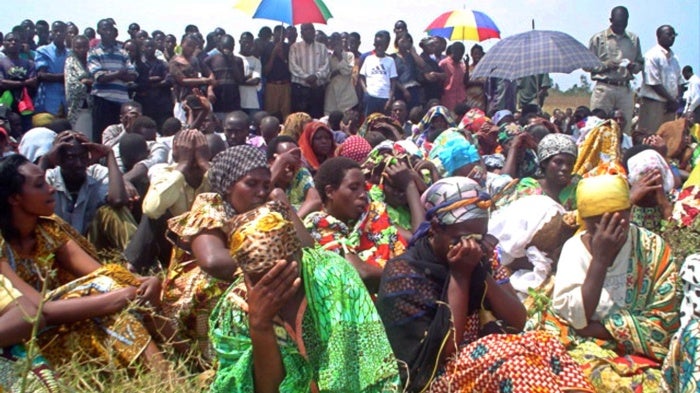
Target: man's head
<point>226,45</point>
<point>321,38</point>
<point>132,148</point>
<point>687,72</point>
<point>12,44</point>
<point>42,30</point>
<point>457,52</point>
<point>58,33</point>
<point>72,31</point>
<point>269,128</point>
<point>354,41</point>
<point>400,28</point>
<point>399,111</point>
<point>381,42</point>
<point>128,113</point>
<point>291,34</point>
<point>236,128</point>
<point>618,19</point>
<point>146,127</point>
<point>308,33</point>
<point>149,48</point>
<point>189,29</point>
<point>73,157</point>
<point>89,32</point>
<point>107,31</point>
<point>29,29</point>
<point>247,43</point>
<point>265,33</point>
<point>133,29</point>
<point>666,36</point>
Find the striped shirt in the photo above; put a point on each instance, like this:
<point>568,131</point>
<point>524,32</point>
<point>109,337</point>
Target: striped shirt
<point>102,60</point>
<point>309,59</point>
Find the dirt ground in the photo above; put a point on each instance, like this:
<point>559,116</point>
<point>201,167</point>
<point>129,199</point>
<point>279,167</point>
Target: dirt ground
<point>561,101</point>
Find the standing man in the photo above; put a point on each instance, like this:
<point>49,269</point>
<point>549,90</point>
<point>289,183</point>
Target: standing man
<point>378,76</point>
<point>692,95</point>
<point>110,67</point>
<point>621,55</point>
<point>662,74</point>
<point>278,89</point>
<point>227,70</point>
<point>50,62</point>
<point>252,73</point>
<point>310,67</point>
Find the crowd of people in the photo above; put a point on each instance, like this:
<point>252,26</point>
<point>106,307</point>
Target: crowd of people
<point>300,216</point>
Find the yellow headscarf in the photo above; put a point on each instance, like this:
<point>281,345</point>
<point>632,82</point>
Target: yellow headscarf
<point>602,194</point>
<point>600,148</point>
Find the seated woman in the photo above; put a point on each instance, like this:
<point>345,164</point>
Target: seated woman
<point>446,291</point>
<point>615,301</point>
<point>46,253</point>
<point>294,124</point>
<point>297,181</point>
<point>316,144</point>
<point>652,187</point>
<point>434,122</point>
<point>298,319</point>
<point>679,370</point>
<point>531,232</point>
<point>201,268</point>
<point>556,154</point>
<point>349,225</point>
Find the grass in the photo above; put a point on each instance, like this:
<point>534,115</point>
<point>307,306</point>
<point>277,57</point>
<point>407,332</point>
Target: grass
<point>559,100</point>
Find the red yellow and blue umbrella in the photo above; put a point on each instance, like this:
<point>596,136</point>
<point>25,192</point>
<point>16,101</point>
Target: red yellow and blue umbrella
<point>292,12</point>
<point>464,25</point>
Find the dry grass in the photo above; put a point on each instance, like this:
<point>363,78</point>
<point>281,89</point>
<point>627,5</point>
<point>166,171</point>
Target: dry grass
<point>558,100</point>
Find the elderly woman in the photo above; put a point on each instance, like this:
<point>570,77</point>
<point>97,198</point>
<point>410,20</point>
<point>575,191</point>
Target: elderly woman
<point>447,290</point>
<point>201,267</point>
<point>556,154</point>
<point>349,225</point>
<point>297,320</point>
<point>615,297</point>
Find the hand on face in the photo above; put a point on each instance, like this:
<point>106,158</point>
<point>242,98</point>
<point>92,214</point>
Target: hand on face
<point>610,235</point>
<point>269,294</point>
<point>464,256</point>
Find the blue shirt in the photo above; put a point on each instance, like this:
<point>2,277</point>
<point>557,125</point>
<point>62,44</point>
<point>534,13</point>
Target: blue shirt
<point>51,95</point>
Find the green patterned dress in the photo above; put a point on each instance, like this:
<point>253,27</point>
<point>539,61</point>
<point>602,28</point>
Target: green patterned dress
<point>344,347</point>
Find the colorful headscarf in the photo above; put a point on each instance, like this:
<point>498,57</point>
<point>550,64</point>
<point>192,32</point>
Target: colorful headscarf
<point>497,161</point>
<point>232,164</point>
<point>473,120</point>
<point>500,115</point>
<point>452,200</point>
<point>508,131</point>
<point>646,161</point>
<point>294,124</point>
<point>432,113</point>
<point>306,142</point>
<point>600,150</point>
<point>602,194</point>
<point>451,151</point>
<point>554,144</point>
<point>42,119</point>
<point>379,121</point>
<point>263,236</point>
<point>355,147</point>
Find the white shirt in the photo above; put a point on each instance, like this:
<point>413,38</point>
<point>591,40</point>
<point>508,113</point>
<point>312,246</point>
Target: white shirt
<point>252,68</point>
<point>692,95</point>
<point>661,67</point>
<point>378,72</point>
<point>574,261</point>
<point>309,59</point>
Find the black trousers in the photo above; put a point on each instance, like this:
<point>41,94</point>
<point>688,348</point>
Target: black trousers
<point>308,99</point>
<point>104,114</point>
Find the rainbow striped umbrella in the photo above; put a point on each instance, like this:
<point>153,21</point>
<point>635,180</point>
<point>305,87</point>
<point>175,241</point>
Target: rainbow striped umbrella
<point>464,25</point>
<point>292,12</point>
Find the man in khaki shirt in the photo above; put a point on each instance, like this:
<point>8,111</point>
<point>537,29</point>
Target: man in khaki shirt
<point>621,55</point>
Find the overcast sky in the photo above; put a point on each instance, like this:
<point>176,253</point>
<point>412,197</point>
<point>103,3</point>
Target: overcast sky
<point>581,19</point>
